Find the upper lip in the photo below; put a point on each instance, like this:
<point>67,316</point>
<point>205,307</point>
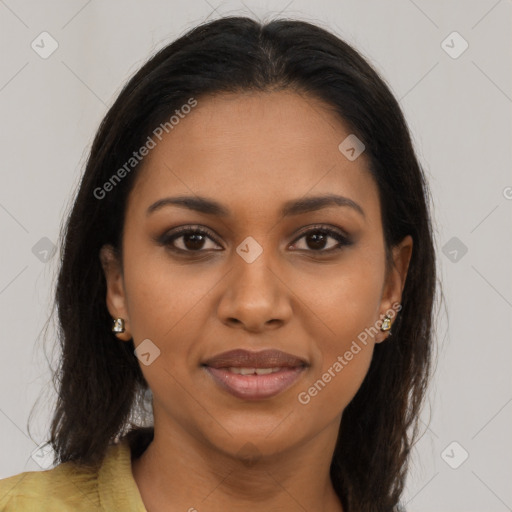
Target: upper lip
<point>240,358</point>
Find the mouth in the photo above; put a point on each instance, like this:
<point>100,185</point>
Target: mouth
<point>255,375</point>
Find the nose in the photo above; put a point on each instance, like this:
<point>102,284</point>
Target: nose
<point>255,296</point>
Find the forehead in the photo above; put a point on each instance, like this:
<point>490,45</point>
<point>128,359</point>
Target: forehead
<point>258,149</point>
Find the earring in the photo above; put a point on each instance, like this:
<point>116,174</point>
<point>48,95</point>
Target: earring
<point>118,325</point>
<point>386,324</point>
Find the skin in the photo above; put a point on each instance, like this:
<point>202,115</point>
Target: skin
<point>250,152</point>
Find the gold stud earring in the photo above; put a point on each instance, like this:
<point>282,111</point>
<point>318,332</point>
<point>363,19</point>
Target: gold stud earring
<point>386,324</point>
<point>118,325</point>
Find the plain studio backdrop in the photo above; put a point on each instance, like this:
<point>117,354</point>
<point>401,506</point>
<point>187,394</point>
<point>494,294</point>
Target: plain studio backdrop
<point>448,63</point>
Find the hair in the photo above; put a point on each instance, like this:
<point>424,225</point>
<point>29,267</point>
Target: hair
<point>99,381</point>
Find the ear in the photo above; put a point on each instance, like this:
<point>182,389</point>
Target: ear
<point>395,280</point>
<point>115,298</point>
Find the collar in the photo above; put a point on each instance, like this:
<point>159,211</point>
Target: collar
<point>116,485</point>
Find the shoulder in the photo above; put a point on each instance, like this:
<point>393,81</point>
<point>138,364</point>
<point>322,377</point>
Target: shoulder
<point>68,486</point>
<point>65,485</point>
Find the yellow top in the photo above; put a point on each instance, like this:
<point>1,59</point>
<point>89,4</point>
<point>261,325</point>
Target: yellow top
<point>67,487</point>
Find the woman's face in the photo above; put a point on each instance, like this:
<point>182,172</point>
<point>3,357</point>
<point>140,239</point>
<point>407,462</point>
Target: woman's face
<point>257,279</point>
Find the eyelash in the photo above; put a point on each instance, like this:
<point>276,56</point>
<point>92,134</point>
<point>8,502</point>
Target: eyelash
<point>168,238</point>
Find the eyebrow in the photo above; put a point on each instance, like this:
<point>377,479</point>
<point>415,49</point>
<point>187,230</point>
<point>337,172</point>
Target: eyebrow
<point>293,207</point>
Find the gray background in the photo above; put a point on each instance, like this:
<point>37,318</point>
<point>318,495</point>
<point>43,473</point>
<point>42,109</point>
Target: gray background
<point>458,110</point>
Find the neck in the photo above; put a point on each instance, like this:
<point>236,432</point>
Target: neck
<point>178,472</point>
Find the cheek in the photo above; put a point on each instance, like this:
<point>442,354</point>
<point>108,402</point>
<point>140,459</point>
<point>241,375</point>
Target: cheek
<point>343,363</point>
<point>343,301</point>
<point>162,296</point>
<point>164,305</point>
<point>332,387</point>
<point>343,305</point>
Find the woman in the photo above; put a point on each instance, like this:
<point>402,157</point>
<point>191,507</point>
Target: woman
<point>251,223</point>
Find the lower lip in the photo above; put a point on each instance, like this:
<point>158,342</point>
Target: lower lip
<point>255,387</point>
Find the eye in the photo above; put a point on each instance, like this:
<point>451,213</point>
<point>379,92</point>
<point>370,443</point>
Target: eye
<point>317,236</point>
<point>193,239</point>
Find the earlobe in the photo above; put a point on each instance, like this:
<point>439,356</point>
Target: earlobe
<point>115,295</point>
<point>385,328</point>
<point>395,282</point>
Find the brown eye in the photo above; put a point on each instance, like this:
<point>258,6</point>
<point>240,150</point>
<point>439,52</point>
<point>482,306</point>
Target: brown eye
<point>317,238</point>
<point>190,239</point>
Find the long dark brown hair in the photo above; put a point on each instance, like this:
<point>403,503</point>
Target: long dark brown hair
<point>99,382</point>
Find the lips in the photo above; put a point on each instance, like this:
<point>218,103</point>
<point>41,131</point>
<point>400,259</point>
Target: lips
<point>255,375</point>
<point>240,358</point>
